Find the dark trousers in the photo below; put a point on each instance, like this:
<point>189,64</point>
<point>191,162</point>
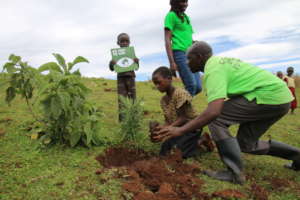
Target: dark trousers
<point>126,88</point>
<point>187,144</point>
<point>254,119</point>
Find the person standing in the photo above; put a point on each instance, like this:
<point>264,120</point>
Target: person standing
<point>290,81</point>
<point>178,38</point>
<point>125,80</point>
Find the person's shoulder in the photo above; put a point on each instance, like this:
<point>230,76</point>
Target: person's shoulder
<point>179,92</point>
<point>171,14</point>
<point>163,99</point>
<point>212,62</point>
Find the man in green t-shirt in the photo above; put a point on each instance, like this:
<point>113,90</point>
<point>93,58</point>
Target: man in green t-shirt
<point>237,93</point>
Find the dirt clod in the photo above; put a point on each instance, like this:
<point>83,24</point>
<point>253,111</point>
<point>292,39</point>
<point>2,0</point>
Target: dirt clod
<point>2,132</point>
<point>229,194</point>
<point>258,192</point>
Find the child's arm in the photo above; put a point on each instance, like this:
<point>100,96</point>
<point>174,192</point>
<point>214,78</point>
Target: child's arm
<point>111,65</point>
<point>137,61</point>
<point>182,117</point>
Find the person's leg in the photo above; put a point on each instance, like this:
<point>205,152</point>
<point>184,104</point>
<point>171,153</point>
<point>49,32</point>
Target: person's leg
<point>190,80</point>
<point>187,144</point>
<point>198,82</point>
<point>255,120</point>
<point>294,102</point>
<point>130,85</point>
<point>122,91</point>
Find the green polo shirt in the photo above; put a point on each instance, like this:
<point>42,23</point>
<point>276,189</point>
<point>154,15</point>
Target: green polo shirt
<point>229,77</point>
<point>181,31</point>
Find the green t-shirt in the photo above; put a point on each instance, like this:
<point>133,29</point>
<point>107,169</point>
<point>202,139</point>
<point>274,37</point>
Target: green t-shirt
<point>229,77</point>
<point>181,31</point>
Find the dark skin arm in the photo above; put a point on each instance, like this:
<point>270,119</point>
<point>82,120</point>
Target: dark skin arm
<point>212,111</point>
<point>182,117</point>
<point>111,65</point>
<point>168,45</point>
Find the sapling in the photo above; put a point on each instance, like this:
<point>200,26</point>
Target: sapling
<point>131,125</point>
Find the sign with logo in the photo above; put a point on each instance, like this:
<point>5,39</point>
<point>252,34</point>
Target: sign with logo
<point>124,59</point>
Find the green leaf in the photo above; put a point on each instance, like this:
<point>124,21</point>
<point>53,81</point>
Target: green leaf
<point>75,137</point>
<point>88,133</point>
<point>50,66</point>
<point>14,59</point>
<point>77,73</point>
<point>55,107</point>
<point>10,67</point>
<point>78,59</point>
<point>10,94</point>
<point>61,61</point>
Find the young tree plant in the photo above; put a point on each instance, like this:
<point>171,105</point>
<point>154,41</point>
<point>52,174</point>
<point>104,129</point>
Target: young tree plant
<point>131,125</point>
<point>71,118</point>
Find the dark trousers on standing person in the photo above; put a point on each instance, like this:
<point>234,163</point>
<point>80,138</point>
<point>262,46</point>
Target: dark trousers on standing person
<point>126,88</point>
<point>254,119</point>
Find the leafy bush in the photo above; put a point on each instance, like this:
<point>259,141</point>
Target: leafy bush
<point>67,116</point>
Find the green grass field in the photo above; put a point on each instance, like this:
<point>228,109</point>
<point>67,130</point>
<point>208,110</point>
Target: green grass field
<point>60,172</point>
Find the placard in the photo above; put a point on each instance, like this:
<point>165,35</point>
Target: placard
<point>124,59</point>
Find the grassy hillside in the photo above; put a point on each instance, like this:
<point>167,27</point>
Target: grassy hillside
<point>60,172</point>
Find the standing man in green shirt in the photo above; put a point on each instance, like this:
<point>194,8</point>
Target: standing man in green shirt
<point>237,93</point>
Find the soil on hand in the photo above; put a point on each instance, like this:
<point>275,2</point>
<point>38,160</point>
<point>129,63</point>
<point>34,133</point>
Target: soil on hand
<point>151,177</point>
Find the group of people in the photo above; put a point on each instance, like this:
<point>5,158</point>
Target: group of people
<point>290,81</point>
<point>237,93</point>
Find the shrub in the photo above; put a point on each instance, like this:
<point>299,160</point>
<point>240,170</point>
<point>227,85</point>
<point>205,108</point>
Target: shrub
<point>67,115</point>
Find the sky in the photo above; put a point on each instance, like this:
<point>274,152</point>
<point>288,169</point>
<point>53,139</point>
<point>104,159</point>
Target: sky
<point>263,32</point>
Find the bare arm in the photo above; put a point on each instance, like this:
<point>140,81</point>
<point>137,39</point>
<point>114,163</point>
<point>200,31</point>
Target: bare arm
<point>182,117</point>
<point>168,45</point>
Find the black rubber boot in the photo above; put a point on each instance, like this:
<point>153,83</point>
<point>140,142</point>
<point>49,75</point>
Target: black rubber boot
<point>230,153</point>
<point>286,151</point>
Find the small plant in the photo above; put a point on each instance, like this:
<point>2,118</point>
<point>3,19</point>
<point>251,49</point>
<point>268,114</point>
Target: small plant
<point>22,81</point>
<point>131,125</point>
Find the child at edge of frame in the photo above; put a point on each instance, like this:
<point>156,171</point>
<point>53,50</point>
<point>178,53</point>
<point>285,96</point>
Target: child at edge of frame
<point>177,108</point>
<point>125,80</point>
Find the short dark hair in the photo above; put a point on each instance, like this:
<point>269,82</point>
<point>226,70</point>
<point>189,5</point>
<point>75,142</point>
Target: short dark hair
<point>122,34</point>
<point>200,47</point>
<point>165,72</point>
<point>290,69</point>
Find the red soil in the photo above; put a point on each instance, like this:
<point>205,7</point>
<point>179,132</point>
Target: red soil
<point>150,177</point>
<point>229,194</point>
<point>258,192</point>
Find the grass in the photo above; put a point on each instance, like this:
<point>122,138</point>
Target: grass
<point>60,172</point>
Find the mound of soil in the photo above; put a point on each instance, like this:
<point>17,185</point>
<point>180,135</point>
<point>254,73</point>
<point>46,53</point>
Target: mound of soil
<point>155,178</point>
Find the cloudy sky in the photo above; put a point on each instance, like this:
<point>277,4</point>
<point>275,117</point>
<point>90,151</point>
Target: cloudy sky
<point>262,32</point>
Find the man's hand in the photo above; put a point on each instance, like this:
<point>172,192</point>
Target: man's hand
<point>173,68</point>
<point>166,133</point>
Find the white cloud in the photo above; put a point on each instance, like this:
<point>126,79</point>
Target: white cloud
<point>264,30</point>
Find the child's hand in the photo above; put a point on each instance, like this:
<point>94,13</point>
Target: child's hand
<point>136,60</point>
<point>112,62</point>
<point>111,65</point>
